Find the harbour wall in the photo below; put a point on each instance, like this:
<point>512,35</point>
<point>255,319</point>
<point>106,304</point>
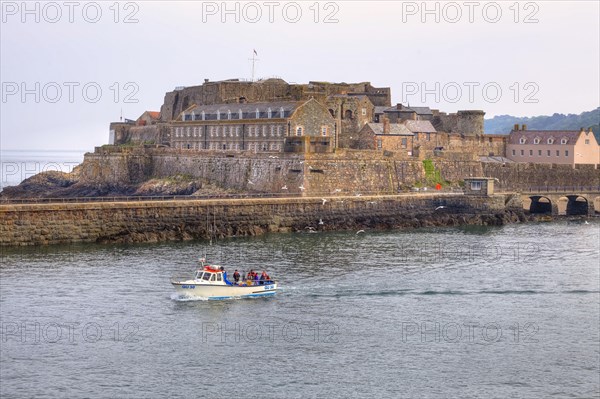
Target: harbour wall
<point>152,221</point>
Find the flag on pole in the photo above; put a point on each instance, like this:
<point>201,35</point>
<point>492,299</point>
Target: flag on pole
<point>255,53</point>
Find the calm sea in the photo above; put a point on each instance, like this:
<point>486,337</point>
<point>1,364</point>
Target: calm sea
<point>455,312</point>
<point>18,165</point>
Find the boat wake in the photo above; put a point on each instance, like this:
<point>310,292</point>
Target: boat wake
<point>186,298</point>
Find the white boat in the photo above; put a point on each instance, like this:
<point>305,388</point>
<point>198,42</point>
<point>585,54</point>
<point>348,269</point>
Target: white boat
<point>210,281</point>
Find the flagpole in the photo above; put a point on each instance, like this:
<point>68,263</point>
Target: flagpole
<point>253,59</point>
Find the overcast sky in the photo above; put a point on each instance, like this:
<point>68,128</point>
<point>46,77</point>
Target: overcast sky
<point>69,68</point>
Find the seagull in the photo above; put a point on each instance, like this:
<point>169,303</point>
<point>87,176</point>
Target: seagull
<point>301,188</point>
<point>324,200</point>
<point>250,182</point>
<point>284,187</point>
<point>359,232</point>
<point>439,207</point>
<point>321,221</point>
<point>586,222</point>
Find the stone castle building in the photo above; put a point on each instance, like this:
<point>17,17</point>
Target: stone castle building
<point>274,116</point>
<point>293,126</point>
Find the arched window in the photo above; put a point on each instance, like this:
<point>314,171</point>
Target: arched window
<point>536,140</point>
<point>563,141</point>
<point>299,131</point>
<point>523,140</point>
<point>551,140</point>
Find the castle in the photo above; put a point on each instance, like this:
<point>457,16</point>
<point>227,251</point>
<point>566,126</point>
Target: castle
<point>273,116</point>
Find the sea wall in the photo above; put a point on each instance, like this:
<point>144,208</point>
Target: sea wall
<point>151,221</point>
<point>343,172</point>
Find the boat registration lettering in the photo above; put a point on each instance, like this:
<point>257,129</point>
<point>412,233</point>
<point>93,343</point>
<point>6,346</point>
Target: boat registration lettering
<point>188,286</point>
<point>269,287</point>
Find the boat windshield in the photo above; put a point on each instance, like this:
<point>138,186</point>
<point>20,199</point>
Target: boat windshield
<point>206,276</point>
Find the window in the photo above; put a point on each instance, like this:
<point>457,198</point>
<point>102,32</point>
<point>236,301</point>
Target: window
<point>514,153</point>
<point>536,140</point>
<point>379,144</point>
<point>404,142</point>
<point>237,131</point>
<point>522,152</point>
<point>550,140</point>
<point>219,277</point>
<point>364,111</point>
<point>548,153</point>
<point>530,152</point>
<point>557,152</point>
<point>566,153</point>
<point>299,131</point>
<point>475,185</point>
<point>272,129</point>
<point>428,136</point>
<point>264,130</point>
<point>206,276</point>
<point>523,140</point>
<point>213,278</point>
<point>278,131</point>
<point>540,153</point>
<point>563,141</point>
<point>323,131</point>
<point>587,141</point>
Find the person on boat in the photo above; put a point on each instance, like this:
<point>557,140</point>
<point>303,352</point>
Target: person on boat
<point>263,277</point>
<point>256,278</point>
<point>236,276</point>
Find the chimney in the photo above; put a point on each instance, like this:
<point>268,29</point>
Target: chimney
<point>414,116</point>
<point>590,130</point>
<point>386,125</point>
<point>581,130</point>
<point>523,127</point>
<point>205,80</point>
<point>516,127</point>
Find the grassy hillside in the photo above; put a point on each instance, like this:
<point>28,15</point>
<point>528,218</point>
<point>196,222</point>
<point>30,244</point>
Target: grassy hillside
<point>503,124</point>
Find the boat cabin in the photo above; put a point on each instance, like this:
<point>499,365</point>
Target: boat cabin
<point>211,274</point>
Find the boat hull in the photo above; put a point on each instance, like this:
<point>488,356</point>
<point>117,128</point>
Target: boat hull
<point>217,292</point>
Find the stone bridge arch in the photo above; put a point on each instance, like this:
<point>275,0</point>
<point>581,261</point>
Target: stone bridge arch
<point>541,205</point>
<point>577,205</point>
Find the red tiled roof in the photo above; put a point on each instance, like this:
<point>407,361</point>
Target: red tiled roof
<point>154,114</point>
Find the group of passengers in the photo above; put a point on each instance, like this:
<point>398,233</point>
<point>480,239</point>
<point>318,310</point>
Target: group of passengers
<point>251,278</point>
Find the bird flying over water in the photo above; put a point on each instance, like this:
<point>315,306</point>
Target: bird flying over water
<point>439,207</point>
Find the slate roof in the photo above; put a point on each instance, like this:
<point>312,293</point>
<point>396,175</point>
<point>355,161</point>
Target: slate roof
<point>248,110</point>
<point>402,108</point>
<point>397,129</point>
<point>380,109</point>
<point>420,126</point>
<point>530,135</point>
